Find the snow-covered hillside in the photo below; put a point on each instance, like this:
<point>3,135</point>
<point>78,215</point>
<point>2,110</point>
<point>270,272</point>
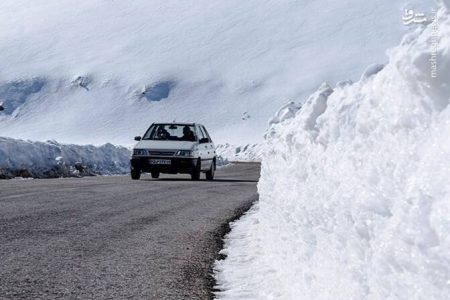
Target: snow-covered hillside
<point>355,190</point>
<point>101,71</point>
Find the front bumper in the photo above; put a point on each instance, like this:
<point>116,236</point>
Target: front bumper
<point>177,165</point>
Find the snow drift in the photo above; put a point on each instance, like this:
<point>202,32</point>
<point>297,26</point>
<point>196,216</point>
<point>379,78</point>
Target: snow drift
<point>354,192</point>
<point>51,159</point>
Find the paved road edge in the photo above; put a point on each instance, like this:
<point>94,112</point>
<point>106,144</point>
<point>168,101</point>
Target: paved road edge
<point>218,240</point>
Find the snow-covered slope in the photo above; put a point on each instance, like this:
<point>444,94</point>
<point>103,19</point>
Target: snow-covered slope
<point>101,71</point>
<point>355,190</point>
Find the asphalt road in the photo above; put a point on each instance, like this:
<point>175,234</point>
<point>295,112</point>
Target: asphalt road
<point>113,238</point>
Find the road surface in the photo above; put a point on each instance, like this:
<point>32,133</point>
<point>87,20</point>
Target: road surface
<point>113,238</point>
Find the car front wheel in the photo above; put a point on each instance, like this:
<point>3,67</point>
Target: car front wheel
<point>195,175</point>
<point>210,173</point>
<point>135,174</point>
<point>155,174</point>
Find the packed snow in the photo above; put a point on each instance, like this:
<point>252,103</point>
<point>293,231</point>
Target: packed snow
<point>101,71</point>
<point>19,158</point>
<point>355,191</point>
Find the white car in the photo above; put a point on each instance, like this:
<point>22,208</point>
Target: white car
<point>174,148</point>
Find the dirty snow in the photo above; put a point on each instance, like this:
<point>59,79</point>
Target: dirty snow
<point>52,159</point>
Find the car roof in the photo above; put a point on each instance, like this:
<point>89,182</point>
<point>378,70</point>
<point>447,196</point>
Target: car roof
<point>178,123</point>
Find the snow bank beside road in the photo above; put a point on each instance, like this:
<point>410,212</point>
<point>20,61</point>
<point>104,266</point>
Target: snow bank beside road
<point>354,191</point>
<point>51,159</point>
<point>246,153</point>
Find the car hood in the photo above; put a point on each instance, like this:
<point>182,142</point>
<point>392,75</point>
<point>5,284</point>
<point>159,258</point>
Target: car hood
<point>165,145</point>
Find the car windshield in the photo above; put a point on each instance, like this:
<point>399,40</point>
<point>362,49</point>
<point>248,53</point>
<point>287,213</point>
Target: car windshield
<point>170,132</point>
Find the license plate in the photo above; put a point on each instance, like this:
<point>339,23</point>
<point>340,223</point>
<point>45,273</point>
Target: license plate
<point>160,161</point>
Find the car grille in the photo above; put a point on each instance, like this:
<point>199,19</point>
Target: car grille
<point>162,153</point>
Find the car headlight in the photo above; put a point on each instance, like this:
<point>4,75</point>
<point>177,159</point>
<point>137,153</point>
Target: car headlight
<point>139,152</point>
<point>185,153</point>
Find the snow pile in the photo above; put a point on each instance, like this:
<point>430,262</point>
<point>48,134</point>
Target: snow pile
<point>355,190</point>
<point>287,111</point>
<point>98,71</point>
<point>246,153</point>
<point>51,159</point>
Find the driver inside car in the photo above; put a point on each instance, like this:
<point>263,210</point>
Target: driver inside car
<point>162,134</point>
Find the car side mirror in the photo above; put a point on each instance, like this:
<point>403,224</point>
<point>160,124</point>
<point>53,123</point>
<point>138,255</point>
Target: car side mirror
<point>137,138</point>
<point>204,140</point>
